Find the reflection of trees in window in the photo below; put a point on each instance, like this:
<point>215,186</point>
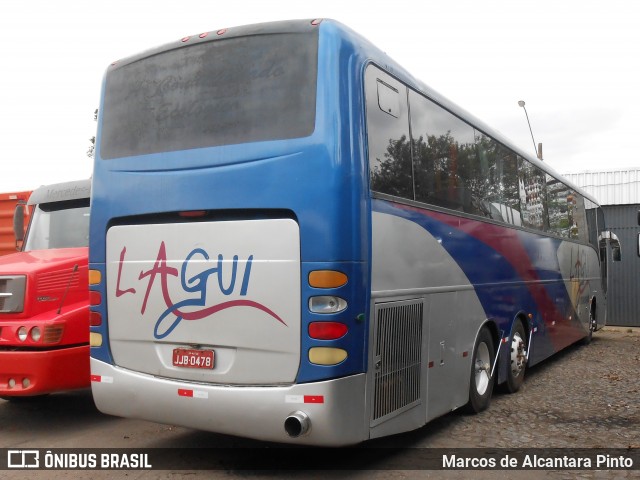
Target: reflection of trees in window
<point>453,166</point>
<point>388,131</point>
<point>434,157</point>
<point>444,158</point>
<point>441,164</point>
<point>393,174</point>
<point>499,169</point>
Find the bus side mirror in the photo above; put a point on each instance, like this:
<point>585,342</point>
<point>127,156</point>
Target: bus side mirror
<point>18,224</point>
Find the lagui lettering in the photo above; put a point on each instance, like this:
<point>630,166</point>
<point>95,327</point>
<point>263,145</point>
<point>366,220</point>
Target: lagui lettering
<point>195,284</point>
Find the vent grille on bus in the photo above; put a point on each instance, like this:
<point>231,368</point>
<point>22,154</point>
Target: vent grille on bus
<point>397,357</point>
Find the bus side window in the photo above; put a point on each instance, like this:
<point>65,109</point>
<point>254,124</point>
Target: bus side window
<point>390,167</point>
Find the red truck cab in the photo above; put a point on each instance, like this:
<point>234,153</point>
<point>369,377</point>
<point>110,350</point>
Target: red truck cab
<point>44,297</point>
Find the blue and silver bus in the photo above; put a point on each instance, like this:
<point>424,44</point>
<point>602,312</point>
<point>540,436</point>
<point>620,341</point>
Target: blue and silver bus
<point>293,239</point>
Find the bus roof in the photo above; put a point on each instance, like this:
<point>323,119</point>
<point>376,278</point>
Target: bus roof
<point>283,26</point>
<point>59,192</point>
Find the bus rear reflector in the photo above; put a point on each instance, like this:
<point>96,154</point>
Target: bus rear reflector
<point>95,339</point>
<point>327,279</point>
<point>327,330</point>
<point>327,355</point>
<point>95,277</point>
<point>52,334</point>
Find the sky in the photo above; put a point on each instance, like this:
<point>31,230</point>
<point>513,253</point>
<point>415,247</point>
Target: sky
<point>576,64</point>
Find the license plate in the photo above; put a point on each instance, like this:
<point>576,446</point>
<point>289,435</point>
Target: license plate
<point>186,358</point>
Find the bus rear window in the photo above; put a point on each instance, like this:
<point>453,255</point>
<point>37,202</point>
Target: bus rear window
<point>222,92</point>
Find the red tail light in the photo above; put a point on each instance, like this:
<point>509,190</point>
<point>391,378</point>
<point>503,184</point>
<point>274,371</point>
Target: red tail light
<point>95,319</point>
<point>327,330</point>
<point>95,298</point>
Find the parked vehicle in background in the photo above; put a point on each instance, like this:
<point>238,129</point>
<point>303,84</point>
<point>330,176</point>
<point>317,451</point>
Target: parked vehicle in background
<point>8,202</point>
<point>44,315</point>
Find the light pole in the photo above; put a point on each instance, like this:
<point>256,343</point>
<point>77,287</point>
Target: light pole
<point>538,150</point>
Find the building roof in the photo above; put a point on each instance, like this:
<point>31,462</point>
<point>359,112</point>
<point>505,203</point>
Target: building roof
<point>610,187</point>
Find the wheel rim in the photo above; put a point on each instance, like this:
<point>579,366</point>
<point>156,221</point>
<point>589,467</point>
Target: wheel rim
<point>482,367</point>
<point>518,355</point>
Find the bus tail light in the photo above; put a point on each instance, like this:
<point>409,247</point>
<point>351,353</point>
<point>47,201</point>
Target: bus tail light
<point>94,298</point>
<point>22,333</point>
<point>327,355</point>
<point>35,333</point>
<point>327,330</point>
<point>327,279</point>
<point>327,304</point>
<point>95,277</point>
<point>95,319</point>
<point>53,333</point>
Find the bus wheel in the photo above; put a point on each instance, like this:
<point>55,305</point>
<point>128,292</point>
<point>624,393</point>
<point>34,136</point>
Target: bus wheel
<point>517,358</point>
<point>592,326</point>
<point>481,384</point>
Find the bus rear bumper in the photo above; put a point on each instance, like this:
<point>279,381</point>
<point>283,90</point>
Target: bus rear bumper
<point>335,408</point>
<point>29,373</point>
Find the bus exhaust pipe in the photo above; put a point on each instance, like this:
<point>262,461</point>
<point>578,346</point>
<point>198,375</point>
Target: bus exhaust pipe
<point>297,424</point>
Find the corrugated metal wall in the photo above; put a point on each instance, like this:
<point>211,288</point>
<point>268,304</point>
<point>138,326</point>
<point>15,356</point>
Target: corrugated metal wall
<point>623,302</point>
<point>618,191</point>
<point>616,187</point>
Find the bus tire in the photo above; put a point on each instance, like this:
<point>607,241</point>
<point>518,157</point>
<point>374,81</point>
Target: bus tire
<point>517,358</point>
<point>592,325</point>
<point>481,381</point>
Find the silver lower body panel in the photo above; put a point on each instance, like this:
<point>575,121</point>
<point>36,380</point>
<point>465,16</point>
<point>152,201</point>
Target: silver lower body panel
<point>336,408</point>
